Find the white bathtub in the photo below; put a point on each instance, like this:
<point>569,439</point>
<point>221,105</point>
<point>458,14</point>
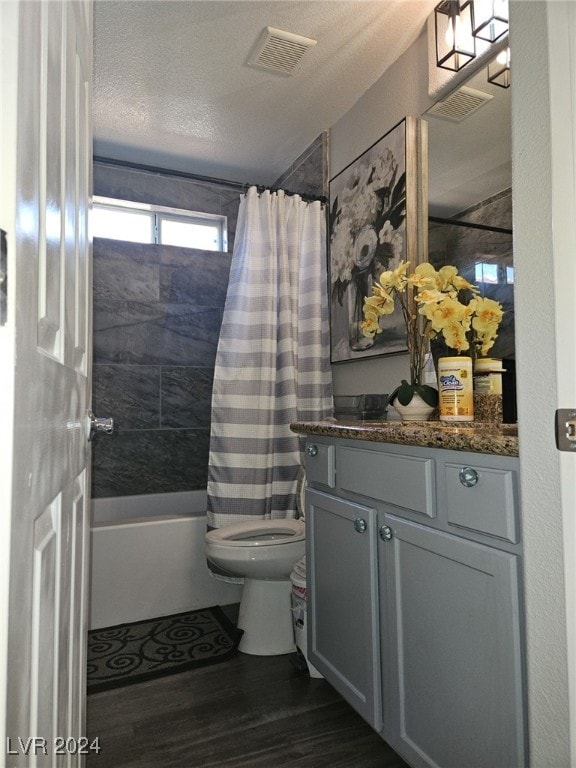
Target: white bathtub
<point>148,559</point>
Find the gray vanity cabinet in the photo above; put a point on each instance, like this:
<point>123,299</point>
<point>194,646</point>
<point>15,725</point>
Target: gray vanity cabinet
<point>452,681</point>
<point>414,611</point>
<point>344,639</point>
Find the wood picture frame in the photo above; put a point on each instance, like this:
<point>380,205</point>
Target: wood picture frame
<point>378,218</point>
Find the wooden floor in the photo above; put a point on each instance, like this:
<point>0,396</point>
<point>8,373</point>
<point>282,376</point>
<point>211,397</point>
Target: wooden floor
<point>249,712</point>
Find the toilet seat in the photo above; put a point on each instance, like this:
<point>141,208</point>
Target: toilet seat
<point>258,533</point>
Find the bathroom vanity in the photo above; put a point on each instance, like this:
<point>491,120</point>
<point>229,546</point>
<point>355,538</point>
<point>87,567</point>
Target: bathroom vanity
<point>414,585</point>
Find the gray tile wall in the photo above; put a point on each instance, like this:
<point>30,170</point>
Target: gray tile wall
<point>157,316</point>
<point>308,174</point>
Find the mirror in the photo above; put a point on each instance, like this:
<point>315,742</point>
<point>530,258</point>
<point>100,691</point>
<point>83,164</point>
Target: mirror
<point>470,179</point>
<point>470,161</point>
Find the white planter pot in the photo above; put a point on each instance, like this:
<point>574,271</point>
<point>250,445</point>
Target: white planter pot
<point>416,410</point>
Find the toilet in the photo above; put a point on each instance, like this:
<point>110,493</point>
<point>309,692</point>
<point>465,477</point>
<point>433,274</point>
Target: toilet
<point>264,553</point>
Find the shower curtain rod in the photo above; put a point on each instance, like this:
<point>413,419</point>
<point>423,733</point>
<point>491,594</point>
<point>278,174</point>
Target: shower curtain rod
<point>241,187</point>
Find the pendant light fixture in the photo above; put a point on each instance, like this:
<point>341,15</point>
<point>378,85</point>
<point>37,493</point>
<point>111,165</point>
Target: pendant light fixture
<point>499,69</point>
<point>455,44</point>
<point>489,19</point>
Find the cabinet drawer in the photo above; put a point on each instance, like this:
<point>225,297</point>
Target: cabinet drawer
<point>405,481</point>
<point>486,506</point>
<point>320,467</point>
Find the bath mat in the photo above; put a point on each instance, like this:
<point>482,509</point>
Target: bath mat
<point>142,650</point>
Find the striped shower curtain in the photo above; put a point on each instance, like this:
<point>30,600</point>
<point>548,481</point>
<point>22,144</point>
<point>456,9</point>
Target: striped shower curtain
<point>272,364</point>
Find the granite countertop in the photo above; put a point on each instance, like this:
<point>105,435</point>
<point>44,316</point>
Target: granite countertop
<point>478,437</point>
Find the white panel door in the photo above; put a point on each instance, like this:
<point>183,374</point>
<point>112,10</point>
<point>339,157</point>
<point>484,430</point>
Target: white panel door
<point>45,326</point>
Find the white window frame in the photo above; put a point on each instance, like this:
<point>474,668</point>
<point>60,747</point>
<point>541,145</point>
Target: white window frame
<point>159,212</point>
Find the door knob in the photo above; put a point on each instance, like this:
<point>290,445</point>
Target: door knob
<point>386,533</point>
<point>468,477</point>
<point>360,525</point>
<point>97,424</point>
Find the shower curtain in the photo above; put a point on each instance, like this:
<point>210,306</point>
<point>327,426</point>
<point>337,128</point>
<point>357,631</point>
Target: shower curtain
<point>272,363</point>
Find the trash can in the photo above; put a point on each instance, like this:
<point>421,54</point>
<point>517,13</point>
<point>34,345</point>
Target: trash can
<point>298,579</point>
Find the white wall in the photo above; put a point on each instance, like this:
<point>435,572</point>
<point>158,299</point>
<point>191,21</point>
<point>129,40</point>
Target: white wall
<point>544,248</point>
<point>402,91</point>
<point>562,36</point>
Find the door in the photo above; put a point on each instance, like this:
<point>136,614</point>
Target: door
<point>452,670</point>
<point>342,599</point>
<point>45,327</point>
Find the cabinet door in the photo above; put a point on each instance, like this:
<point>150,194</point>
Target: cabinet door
<point>342,604</point>
<point>452,664</point>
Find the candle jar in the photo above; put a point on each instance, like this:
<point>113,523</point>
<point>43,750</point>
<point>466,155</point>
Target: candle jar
<point>488,390</point>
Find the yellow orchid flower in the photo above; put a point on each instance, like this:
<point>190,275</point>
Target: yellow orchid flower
<point>379,304</point>
<point>449,279</point>
<point>455,336</point>
<point>487,312</point>
<point>448,306</point>
<point>429,296</point>
<point>370,325</point>
<point>425,277</point>
<point>395,279</point>
<point>444,312</point>
<point>445,277</point>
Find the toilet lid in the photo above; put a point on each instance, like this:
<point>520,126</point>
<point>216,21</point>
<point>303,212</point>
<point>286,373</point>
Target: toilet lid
<point>259,533</point>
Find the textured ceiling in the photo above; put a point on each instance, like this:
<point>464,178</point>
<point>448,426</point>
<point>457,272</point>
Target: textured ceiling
<point>172,88</point>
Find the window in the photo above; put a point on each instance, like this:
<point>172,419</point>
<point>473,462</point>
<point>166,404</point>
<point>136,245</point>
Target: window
<point>142,223</point>
<point>492,274</point>
<point>486,273</point>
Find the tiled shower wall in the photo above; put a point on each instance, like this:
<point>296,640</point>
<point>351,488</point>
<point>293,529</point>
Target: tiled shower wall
<point>157,316</point>
<point>308,174</point>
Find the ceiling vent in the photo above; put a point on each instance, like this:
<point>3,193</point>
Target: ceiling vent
<point>279,51</point>
<point>459,105</point>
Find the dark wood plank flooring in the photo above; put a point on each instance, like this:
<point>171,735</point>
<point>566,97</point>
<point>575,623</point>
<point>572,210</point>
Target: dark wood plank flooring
<point>249,712</point>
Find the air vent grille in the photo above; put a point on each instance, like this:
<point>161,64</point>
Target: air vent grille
<point>459,105</point>
<point>280,51</point>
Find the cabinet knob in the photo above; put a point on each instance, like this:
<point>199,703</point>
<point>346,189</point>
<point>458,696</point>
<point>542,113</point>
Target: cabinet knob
<point>468,476</point>
<point>360,525</point>
<point>385,532</point>
<point>312,450</point>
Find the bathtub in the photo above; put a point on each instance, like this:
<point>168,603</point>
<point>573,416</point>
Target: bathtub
<point>148,560</point>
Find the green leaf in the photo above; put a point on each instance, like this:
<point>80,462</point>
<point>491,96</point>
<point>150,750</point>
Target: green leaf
<point>427,393</point>
<point>405,392</point>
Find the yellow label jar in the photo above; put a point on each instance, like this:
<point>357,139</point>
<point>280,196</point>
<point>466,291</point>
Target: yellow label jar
<point>455,390</point>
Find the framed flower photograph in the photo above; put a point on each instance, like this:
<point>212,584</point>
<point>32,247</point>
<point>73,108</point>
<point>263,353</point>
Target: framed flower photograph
<point>378,218</point>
